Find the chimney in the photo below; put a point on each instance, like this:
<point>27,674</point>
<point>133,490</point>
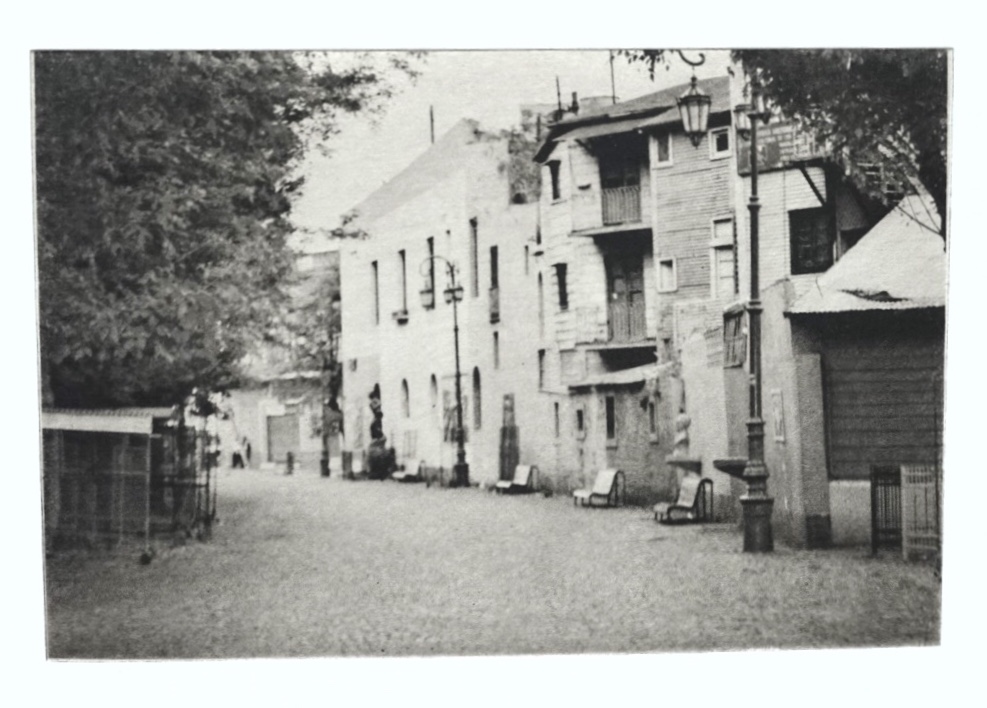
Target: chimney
<point>575,104</point>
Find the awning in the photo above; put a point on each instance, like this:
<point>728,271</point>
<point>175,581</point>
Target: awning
<point>124,420</point>
<point>611,128</point>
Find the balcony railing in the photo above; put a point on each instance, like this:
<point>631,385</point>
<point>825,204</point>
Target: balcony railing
<point>626,322</point>
<point>622,205</point>
<point>619,323</point>
<point>494,305</point>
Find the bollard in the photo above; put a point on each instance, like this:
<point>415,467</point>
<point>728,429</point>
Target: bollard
<point>289,465</point>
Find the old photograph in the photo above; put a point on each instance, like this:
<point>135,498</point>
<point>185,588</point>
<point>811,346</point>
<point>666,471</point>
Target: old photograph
<point>352,354</point>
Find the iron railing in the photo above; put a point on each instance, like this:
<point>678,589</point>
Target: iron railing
<point>622,205</point>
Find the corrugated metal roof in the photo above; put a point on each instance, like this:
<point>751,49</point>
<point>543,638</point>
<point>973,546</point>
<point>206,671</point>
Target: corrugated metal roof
<point>900,264</point>
<point>114,420</point>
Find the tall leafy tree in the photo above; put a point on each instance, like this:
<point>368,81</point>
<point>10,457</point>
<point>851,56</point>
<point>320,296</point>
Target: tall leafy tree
<point>164,186</point>
<point>883,110</point>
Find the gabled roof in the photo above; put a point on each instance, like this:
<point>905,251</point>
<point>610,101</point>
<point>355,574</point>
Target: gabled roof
<point>900,264</point>
<point>648,111</point>
<point>434,164</point>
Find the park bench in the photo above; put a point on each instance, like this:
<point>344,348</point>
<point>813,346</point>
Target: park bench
<point>694,503</point>
<point>609,486</point>
<point>409,475</point>
<point>525,481</point>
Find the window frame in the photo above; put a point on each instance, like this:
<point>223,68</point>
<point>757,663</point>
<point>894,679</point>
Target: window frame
<point>555,179</point>
<point>714,152</point>
<point>821,212</point>
<point>562,284</point>
<point>675,275</point>
<point>718,243</point>
<point>662,164</point>
<point>610,412</point>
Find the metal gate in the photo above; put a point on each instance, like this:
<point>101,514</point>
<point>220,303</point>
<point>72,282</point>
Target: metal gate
<point>885,507</point>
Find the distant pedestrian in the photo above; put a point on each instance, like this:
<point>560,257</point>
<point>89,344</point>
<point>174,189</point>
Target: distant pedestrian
<point>238,456</point>
<point>246,448</point>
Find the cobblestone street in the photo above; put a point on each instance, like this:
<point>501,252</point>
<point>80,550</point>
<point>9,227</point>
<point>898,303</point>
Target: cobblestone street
<point>303,566</point>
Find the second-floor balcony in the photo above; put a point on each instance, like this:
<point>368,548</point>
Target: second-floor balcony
<point>622,205</point>
<point>620,324</point>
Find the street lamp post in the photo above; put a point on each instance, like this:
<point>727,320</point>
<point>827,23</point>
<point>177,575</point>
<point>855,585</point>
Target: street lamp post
<point>757,505</point>
<point>453,294</point>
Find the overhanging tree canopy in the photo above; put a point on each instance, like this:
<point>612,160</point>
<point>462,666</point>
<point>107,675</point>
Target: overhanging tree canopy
<point>884,109</point>
<point>164,185</point>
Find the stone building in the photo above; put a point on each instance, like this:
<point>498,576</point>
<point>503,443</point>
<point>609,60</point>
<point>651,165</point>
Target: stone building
<point>459,201</point>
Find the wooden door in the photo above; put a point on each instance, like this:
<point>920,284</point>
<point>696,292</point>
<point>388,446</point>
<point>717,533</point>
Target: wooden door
<point>625,294</point>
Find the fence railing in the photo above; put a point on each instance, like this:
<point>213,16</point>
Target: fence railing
<point>622,205</point>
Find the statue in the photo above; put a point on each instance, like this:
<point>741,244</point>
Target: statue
<point>682,423</point>
<point>380,459</point>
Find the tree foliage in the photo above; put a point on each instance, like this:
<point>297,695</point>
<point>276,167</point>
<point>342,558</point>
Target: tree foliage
<point>164,186</point>
<point>873,109</point>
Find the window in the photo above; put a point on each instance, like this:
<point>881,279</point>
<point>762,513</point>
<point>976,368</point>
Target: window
<point>477,408</point>
<point>724,263</point>
<point>494,268</point>
<point>404,279</point>
<point>558,429</point>
<point>812,247</point>
<point>541,307</point>
<point>475,258</point>
<point>723,271</point>
<point>553,169</point>
<point>433,392</point>
<point>664,142</point>
<point>611,418</point>
<point>652,419</point>
<point>560,277</point>
<point>430,285</point>
<point>496,350</point>
<point>667,281</point>
<point>734,340</point>
<point>405,400</point>
<point>376,287</point>
<point>580,423</point>
<point>719,143</point>
<point>541,368</point>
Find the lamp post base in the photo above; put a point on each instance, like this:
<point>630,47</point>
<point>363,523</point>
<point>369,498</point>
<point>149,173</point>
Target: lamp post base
<point>758,536</point>
<point>461,474</point>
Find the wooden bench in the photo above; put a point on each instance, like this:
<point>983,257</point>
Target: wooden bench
<point>609,486</point>
<point>525,481</point>
<point>694,504</point>
<point>406,475</point>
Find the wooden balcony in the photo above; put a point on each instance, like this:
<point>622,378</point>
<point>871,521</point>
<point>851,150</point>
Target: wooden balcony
<point>626,322</point>
<point>624,326</point>
<point>622,205</point>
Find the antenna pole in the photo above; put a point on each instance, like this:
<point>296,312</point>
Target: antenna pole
<point>613,84</point>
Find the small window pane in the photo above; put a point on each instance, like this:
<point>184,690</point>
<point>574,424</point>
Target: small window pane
<point>664,151</point>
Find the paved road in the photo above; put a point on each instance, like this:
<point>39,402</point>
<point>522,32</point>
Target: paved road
<point>303,566</point>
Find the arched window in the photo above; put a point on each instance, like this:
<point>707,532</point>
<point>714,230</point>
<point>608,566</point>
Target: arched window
<point>477,406</point>
<point>405,401</point>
